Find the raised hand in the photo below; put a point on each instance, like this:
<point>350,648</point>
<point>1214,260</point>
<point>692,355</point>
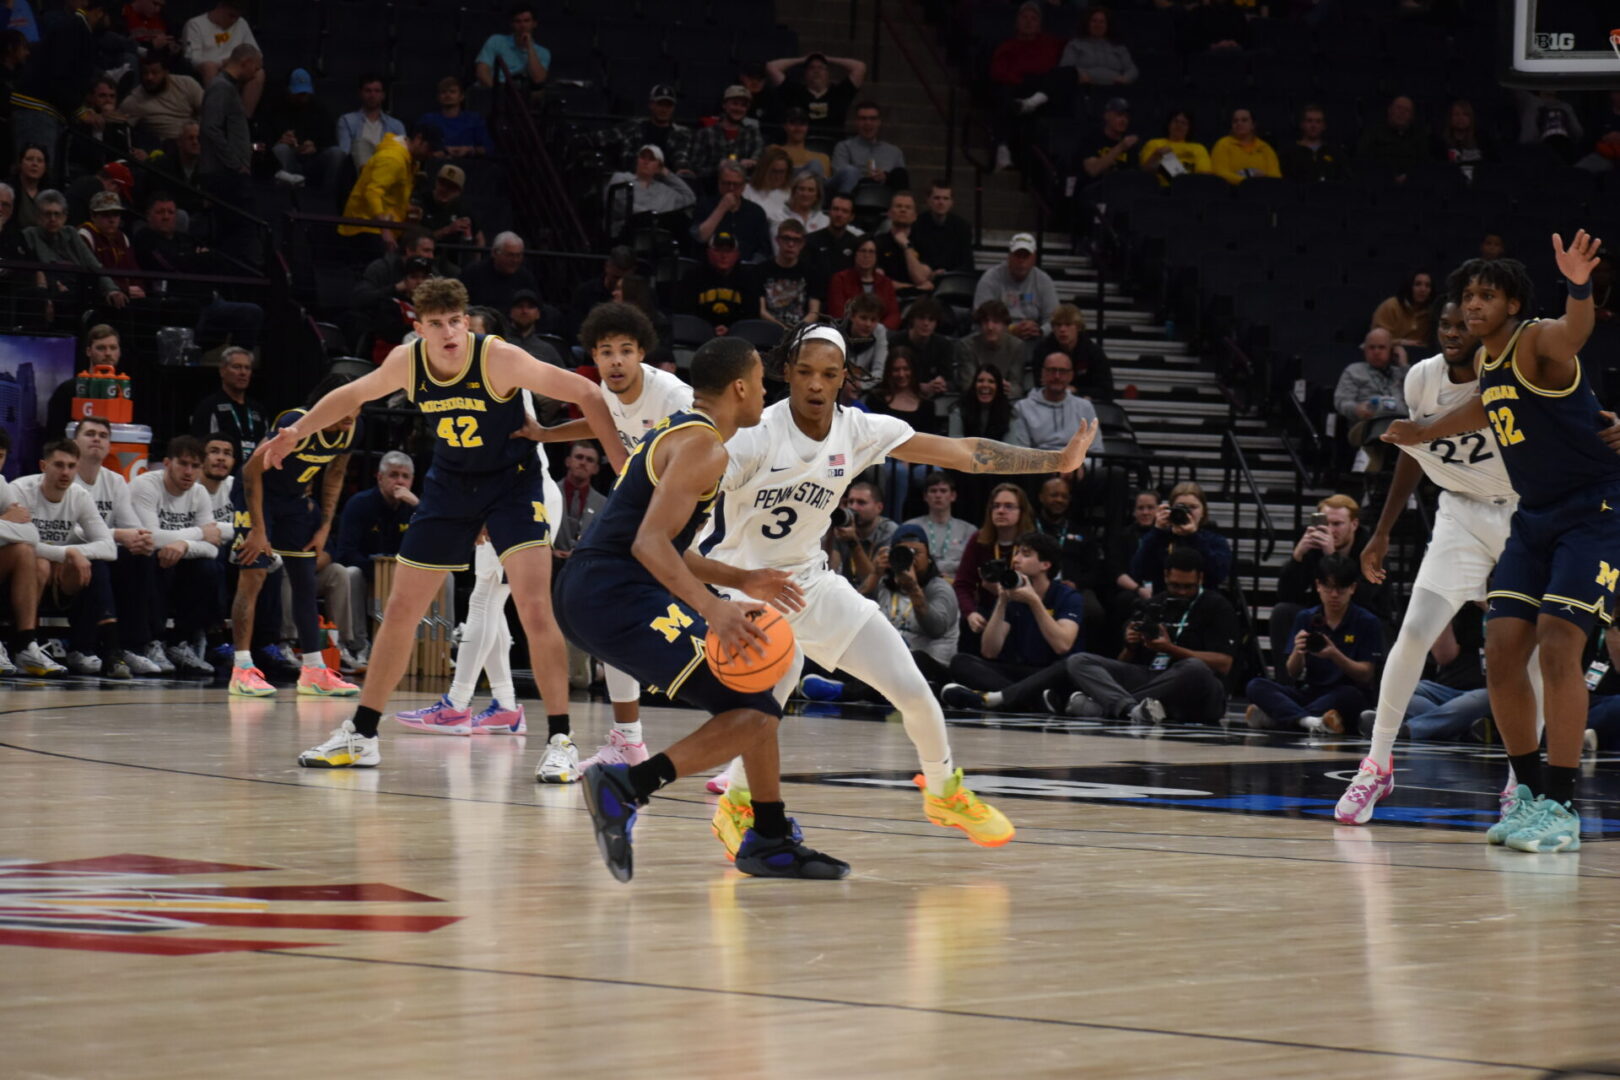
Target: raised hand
<point>1074,455</point>
<point>1577,262</point>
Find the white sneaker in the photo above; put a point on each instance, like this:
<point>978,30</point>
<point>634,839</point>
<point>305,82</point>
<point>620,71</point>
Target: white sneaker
<point>347,663</point>
<point>140,665</point>
<point>289,179</point>
<point>154,652</point>
<point>32,661</point>
<point>80,664</point>
<point>344,749</point>
<point>1312,723</point>
<point>560,763</point>
<point>186,661</point>
<point>6,666</point>
<point>1003,159</point>
<point>1147,711</point>
<point>54,650</point>
<point>1031,103</point>
<point>1589,741</point>
<point>362,659</point>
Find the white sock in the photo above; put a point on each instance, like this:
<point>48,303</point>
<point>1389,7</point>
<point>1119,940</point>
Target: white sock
<point>630,732</point>
<point>992,698</point>
<point>938,775</point>
<point>459,697</point>
<point>313,659</point>
<point>244,658</point>
<point>737,774</point>
<point>1426,616</point>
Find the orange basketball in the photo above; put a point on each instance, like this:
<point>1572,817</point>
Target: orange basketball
<point>750,673</point>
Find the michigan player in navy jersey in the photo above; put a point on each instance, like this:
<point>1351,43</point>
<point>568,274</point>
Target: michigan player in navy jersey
<point>280,520</point>
<point>484,475</point>
<point>1555,577</point>
<point>634,596</point>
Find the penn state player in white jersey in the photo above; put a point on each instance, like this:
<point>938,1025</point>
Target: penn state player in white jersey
<point>781,486</point>
<point>617,337</point>
<point>1476,511</point>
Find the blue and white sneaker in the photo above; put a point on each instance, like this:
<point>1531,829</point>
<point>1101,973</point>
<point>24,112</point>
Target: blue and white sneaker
<point>818,688</point>
<point>1515,809</point>
<point>613,805</point>
<point>1548,827</point>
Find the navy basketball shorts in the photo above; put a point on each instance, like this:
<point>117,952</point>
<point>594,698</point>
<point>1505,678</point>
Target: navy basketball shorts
<point>1561,560</point>
<point>456,506</point>
<point>290,523</point>
<point>638,627</point>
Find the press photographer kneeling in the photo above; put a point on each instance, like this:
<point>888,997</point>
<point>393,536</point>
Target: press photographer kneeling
<point>1179,647</point>
<point>1035,622</point>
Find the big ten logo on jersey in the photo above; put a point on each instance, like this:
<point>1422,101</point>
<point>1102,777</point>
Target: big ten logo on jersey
<point>835,465</point>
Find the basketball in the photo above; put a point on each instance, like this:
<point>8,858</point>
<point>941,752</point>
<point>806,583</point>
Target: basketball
<point>751,673</point>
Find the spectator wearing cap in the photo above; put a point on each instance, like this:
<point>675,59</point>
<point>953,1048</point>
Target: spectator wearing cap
<point>1243,153</point>
<point>104,233</point>
<point>227,149</point>
<point>795,128</point>
<point>162,102</point>
<point>824,102</point>
<point>732,137</point>
<point>1025,288</point>
<point>865,156</point>
<point>209,40</point>
<point>113,177</point>
<point>494,281</point>
<point>301,133</point>
<point>722,290</point>
<point>359,133</point>
<point>51,241</point>
<point>524,328</point>
<point>654,193</point>
<point>385,275</point>
<point>620,144</point>
<point>442,214</point>
<point>395,316</point>
<point>728,212</point>
<point>524,57</point>
<point>464,132</point>
<point>1113,146</point>
<point>383,190</point>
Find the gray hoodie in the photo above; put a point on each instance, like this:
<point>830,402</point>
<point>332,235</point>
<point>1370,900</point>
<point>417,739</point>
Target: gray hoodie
<point>1049,425</point>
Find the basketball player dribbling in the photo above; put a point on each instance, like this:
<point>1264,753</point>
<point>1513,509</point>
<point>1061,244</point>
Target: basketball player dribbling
<point>628,596</point>
<point>777,499</point>
<point>1554,579</point>
<point>484,476</point>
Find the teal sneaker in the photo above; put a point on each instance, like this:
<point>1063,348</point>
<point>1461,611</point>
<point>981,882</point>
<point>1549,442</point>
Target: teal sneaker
<point>1514,809</point>
<point>1550,827</point>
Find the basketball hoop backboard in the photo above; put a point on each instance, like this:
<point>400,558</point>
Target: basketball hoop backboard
<point>1570,44</point>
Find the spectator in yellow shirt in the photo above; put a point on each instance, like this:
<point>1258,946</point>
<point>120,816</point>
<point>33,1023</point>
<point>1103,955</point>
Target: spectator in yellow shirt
<point>1176,144</point>
<point>383,191</point>
<point>1243,154</point>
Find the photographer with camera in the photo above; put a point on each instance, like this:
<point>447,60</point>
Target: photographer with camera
<point>1182,522</point>
<point>1334,528</point>
<point>857,538</point>
<point>1179,647</point>
<point>1007,516</point>
<point>1035,621</point>
<point>1333,664</point>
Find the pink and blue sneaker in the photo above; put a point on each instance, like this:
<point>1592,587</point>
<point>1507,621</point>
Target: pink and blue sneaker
<point>498,721</point>
<point>440,718</point>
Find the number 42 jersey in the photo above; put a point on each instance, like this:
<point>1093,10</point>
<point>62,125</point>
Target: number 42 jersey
<point>1468,464</point>
<point>782,486</point>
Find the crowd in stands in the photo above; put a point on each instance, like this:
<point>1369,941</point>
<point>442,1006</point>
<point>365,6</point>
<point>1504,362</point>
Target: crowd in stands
<point>779,201</point>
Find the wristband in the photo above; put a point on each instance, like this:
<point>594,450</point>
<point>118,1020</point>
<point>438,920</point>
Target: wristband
<point>1582,291</point>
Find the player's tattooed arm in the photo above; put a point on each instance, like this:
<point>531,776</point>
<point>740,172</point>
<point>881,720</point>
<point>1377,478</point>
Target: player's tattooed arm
<point>990,456</point>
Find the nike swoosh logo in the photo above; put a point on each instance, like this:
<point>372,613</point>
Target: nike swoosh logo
<point>780,468</point>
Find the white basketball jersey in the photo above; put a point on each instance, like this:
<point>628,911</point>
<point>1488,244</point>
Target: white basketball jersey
<point>662,394</point>
<point>1469,464</point>
<point>781,488</point>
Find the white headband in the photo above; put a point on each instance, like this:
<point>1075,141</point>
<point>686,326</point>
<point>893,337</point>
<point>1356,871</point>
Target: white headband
<point>823,332</point>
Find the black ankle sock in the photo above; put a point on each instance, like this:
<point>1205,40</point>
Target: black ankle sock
<point>651,775</point>
<point>1558,782</point>
<point>22,639</point>
<point>556,724</point>
<point>107,641</point>
<point>1527,770</point>
<point>770,819</point>
<point>365,721</point>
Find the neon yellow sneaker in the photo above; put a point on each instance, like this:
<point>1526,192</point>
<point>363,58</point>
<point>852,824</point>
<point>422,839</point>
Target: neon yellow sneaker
<point>732,819</point>
<point>959,808</point>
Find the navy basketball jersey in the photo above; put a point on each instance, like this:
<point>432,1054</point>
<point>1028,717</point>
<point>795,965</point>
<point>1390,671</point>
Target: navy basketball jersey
<point>1549,438</point>
<point>615,527</point>
<point>472,426</point>
<point>300,468</point>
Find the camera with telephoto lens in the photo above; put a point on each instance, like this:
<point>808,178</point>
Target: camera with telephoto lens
<point>1180,515</point>
<point>901,558</point>
<point>999,572</point>
<point>1151,615</point>
<point>842,518</point>
<point>1315,640</point>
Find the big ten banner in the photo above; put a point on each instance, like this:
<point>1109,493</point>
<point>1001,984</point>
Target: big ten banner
<point>32,366</point>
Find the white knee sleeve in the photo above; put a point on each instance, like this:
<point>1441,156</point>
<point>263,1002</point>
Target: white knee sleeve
<point>1426,618</point>
<point>621,686</point>
<point>878,657</point>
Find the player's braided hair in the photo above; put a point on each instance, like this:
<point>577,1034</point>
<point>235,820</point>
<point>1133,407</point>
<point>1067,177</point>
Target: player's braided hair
<point>1507,275</point>
<point>782,358</point>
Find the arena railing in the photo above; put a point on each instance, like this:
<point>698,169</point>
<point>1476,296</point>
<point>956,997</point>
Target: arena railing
<point>539,194</point>
<point>1265,538</point>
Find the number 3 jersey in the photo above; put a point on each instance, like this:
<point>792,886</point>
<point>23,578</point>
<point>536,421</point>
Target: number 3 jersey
<point>1549,438</point>
<point>1468,464</point>
<point>472,426</point>
<point>782,486</point>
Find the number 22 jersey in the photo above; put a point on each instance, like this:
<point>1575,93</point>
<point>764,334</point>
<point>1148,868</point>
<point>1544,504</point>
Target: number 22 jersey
<point>1468,464</point>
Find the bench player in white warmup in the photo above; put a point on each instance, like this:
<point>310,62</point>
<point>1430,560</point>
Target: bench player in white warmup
<point>782,484</point>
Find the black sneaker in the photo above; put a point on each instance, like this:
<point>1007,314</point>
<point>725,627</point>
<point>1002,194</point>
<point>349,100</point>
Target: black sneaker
<point>957,696</point>
<point>787,857</point>
<point>612,803</point>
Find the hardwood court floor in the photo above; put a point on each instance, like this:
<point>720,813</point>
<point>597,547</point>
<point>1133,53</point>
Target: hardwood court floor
<point>179,900</point>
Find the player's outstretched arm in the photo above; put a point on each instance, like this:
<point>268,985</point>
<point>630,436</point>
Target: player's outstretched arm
<point>689,463</point>
<point>1558,340</point>
<point>519,370</point>
<point>346,400</point>
<point>1407,474</point>
<point>1469,416</point>
<point>989,456</point>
